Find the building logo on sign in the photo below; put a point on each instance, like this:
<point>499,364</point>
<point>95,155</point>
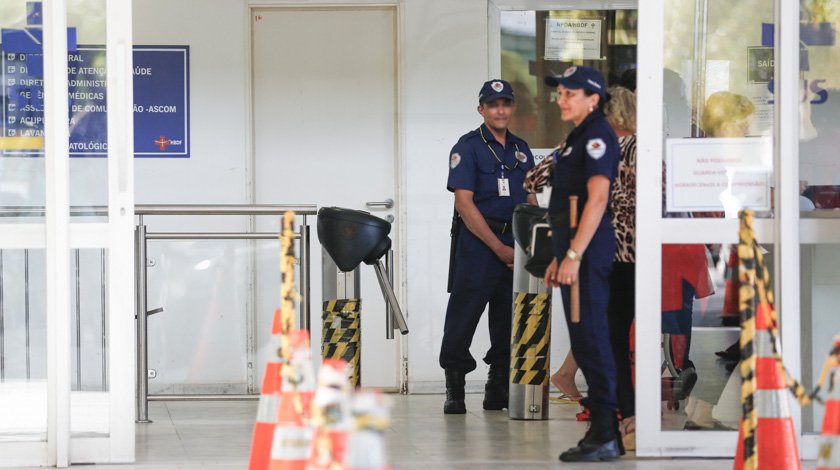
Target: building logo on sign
<point>162,142</point>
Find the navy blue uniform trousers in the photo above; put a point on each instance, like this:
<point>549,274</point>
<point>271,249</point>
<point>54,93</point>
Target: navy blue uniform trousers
<point>590,338</point>
<point>480,279</point>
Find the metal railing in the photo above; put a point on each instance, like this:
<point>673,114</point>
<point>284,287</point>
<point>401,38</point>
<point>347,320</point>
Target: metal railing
<point>142,236</point>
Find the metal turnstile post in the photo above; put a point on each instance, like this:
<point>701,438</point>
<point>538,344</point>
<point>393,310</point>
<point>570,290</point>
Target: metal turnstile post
<point>341,316</point>
<point>142,332</point>
<point>530,343</point>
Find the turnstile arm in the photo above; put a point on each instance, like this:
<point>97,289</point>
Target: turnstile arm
<point>390,297</point>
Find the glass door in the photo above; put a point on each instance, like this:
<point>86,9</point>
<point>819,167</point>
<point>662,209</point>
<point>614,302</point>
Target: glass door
<point>713,149</point>
<point>524,48</point>
<point>24,391</point>
<point>66,269</point>
<point>819,198</point>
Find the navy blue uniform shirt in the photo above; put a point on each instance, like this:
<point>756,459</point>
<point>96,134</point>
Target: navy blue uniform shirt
<point>474,167</point>
<point>591,149</point>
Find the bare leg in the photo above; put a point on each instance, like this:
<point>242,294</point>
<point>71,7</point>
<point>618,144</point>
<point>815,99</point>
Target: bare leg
<point>564,378</point>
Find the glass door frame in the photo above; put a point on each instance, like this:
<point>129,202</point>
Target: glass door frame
<point>57,235</point>
<point>495,7</point>
<point>653,231</point>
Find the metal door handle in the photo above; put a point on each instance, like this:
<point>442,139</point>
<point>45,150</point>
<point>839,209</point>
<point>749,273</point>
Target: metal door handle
<point>387,204</point>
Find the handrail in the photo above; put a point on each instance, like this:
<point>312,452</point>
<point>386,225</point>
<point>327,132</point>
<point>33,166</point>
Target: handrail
<point>170,209</point>
<point>141,238</point>
<point>225,209</point>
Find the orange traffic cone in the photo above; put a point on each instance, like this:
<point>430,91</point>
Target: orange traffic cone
<point>829,456</point>
<point>366,443</point>
<point>775,436</point>
<point>269,403</point>
<point>290,446</point>
<point>331,415</point>
<point>730,292</point>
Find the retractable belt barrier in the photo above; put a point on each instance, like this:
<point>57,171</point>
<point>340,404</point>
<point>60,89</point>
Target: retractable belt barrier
<point>766,434</point>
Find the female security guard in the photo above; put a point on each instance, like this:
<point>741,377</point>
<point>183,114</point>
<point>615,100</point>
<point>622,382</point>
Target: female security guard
<point>586,167</point>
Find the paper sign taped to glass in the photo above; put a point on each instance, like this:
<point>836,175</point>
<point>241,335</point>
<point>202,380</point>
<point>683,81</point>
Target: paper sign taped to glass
<point>718,174</point>
<point>573,39</point>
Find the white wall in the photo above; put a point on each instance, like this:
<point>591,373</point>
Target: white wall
<point>198,343</point>
<point>444,60</point>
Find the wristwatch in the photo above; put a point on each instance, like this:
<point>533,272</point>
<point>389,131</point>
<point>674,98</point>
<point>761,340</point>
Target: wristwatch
<point>573,255</point>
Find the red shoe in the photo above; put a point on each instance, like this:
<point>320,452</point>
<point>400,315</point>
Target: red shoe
<point>583,415</point>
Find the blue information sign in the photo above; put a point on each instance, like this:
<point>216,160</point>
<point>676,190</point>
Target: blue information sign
<point>161,101</point>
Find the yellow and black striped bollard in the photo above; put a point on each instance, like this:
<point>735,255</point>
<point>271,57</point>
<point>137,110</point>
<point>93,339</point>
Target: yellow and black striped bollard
<point>530,351</point>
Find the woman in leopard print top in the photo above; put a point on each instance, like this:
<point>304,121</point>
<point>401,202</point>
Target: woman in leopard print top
<point>621,114</point>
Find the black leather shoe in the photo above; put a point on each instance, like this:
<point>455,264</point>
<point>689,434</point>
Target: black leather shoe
<point>602,441</point>
<point>497,389</point>
<point>591,452</point>
<point>454,404</point>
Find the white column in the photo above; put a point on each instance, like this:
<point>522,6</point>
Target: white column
<point>648,236</point>
<point>56,127</point>
<point>121,341</point>
<point>786,164</point>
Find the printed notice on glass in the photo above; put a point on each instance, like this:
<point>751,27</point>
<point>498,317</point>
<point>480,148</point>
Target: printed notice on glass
<point>573,39</point>
<point>718,174</point>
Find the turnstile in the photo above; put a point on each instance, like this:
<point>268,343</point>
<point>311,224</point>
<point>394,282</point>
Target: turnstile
<point>350,237</point>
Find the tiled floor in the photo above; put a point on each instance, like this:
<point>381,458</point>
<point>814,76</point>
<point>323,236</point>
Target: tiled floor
<point>216,435</point>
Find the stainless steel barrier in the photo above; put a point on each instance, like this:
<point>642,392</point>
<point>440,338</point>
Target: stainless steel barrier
<point>141,238</point>
<point>15,310</point>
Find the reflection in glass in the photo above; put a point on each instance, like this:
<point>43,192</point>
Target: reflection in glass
<point>819,129</point>
<point>819,173</point>
<point>524,65</point>
<point>710,91</point>
<point>22,169</point>
<point>700,337</point>
<point>21,130</point>
<point>820,289</point>
<point>23,346</point>
<point>89,414</point>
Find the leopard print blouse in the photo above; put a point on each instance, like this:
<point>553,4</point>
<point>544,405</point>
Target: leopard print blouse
<point>624,202</point>
<point>540,175</point>
<point>623,210</point>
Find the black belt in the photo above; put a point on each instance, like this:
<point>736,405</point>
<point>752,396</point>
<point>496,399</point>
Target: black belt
<point>499,226</point>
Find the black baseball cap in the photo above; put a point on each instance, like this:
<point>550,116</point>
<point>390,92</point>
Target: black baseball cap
<point>495,89</point>
<point>579,77</point>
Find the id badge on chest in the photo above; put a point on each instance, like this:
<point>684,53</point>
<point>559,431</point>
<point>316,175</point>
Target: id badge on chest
<point>504,186</point>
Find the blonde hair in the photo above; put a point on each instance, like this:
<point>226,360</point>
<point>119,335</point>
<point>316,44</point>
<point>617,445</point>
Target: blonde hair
<point>724,108</point>
<point>621,108</point>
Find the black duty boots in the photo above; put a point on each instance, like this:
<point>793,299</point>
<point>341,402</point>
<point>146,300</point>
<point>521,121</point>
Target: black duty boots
<point>497,388</point>
<point>454,403</point>
<point>601,442</point>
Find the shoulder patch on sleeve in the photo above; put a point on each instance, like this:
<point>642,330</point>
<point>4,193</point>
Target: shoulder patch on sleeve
<point>454,160</point>
<point>596,148</point>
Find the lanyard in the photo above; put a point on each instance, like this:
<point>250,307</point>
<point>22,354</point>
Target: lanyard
<point>481,131</point>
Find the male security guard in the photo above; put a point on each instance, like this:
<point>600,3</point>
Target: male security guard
<point>486,171</point>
